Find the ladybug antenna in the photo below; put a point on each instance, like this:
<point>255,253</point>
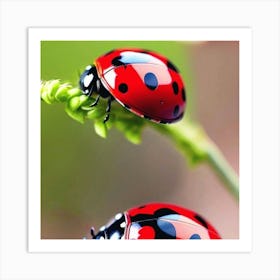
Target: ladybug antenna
<point>92,232</point>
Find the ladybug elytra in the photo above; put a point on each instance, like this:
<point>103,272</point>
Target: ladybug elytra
<point>157,221</point>
<point>144,82</point>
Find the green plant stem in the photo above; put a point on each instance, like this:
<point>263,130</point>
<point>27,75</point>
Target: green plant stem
<point>196,146</point>
<point>223,170</point>
<point>188,137</point>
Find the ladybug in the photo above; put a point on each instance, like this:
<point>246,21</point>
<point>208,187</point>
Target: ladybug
<point>144,82</point>
<point>157,221</point>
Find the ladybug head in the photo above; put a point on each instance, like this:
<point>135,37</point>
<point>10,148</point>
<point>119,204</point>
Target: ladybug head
<point>89,81</point>
<point>113,230</point>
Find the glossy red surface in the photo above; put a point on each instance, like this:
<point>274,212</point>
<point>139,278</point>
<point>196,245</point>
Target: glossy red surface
<point>147,221</point>
<point>145,83</point>
<point>157,221</point>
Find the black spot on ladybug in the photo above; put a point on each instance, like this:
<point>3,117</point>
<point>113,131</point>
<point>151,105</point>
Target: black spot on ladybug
<point>142,206</point>
<point>117,61</point>
<point>172,66</point>
<point>158,213</point>
<point>140,217</point>
<point>164,211</point>
<point>195,236</point>
<point>123,88</point>
<point>201,220</point>
<point>175,87</point>
<point>166,232</point>
<point>183,94</point>
<point>176,111</point>
<point>151,81</point>
<point>145,51</point>
<point>167,227</point>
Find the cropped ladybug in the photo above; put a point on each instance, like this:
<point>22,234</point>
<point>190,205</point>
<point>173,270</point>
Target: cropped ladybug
<point>145,83</point>
<point>157,221</point>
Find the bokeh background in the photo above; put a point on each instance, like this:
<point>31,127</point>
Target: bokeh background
<point>85,180</point>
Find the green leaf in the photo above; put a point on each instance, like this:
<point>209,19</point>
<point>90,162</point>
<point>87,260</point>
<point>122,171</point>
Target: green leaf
<point>101,128</point>
<point>74,92</point>
<point>76,102</point>
<point>131,127</point>
<point>134,137</point>
<point>62,93</point>
<point>94,113</point>
<point>76,115</point>
<point>49,89</point>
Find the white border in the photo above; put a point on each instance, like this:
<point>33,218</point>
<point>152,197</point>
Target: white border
<point>243,35</point>
<point>263,260</point>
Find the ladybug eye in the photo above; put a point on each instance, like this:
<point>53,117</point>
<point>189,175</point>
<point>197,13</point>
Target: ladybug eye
<point>87,80</point>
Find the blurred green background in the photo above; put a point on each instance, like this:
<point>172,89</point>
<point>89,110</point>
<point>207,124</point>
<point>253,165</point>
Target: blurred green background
<point>85,180</point>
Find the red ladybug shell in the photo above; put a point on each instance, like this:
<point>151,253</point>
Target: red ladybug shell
<point>158,221</point>
<point>145,83</point>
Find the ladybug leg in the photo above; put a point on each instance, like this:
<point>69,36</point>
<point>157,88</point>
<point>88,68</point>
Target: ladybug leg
<point>95,102</point>
<point>108,109</point>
